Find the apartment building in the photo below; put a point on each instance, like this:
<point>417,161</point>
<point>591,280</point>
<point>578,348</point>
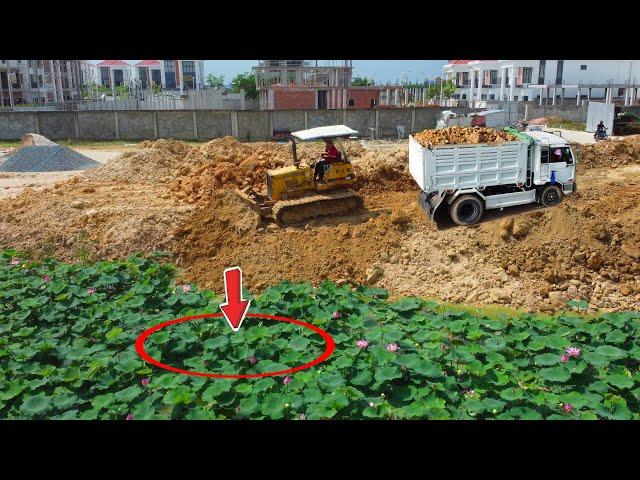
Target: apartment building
<point>41,81</point>
<point>310,84</point>
<point>545,81</point>
<point>169,74</point>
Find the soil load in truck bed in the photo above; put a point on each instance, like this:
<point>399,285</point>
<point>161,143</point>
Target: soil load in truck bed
<point>462,135</point>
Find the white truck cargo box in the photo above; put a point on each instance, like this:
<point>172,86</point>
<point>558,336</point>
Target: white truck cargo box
<point>452,167</point>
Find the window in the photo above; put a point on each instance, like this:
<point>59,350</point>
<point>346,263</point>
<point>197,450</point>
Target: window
<point>527,73</point>
<point>560,155</point>
<point>118,77</point>
<point>33,80</point>
<point>559,72</point>
<point>465,78</point>
<point>189,73</point>
<point>525,98</point>
<point>156,77</point>
<point>352,102</point>
<point>142,76</point>
<point>170,74</point>
<point>493,77</point>
<point>541,71</point>
<point>105,78</point>
<point>583,67</point>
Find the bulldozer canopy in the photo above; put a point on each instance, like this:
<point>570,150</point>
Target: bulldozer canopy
<point>333,131</point>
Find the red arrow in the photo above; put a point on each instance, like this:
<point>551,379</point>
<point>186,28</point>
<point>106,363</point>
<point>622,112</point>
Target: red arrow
<point>235,308</point>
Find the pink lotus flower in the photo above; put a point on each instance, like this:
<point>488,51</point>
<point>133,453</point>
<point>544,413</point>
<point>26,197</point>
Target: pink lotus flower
<point>362,343</point>
<point>573,352</point>
<point>91,291</point>
<point>287,380</point>
<point>392,347</point>
<point>567,407</point>
<point>129,417</point>
<point>336,315</point>
<point>46,278</point>
<point>564,358</point>
<point>144,382</point>
<point>238,410</point>
<point>252,360</point>
<point>186,288</point>
<point>15,261</point>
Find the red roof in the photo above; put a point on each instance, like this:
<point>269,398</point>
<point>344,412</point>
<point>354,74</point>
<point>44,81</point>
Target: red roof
<point>148,63</point>
<point>464,62</point>
<point>113,63</point>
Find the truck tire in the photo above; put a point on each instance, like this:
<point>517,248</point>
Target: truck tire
<point>466,210</point>
<point>550,196</point>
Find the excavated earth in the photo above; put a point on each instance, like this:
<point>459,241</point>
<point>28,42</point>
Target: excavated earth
<point>172,196</point>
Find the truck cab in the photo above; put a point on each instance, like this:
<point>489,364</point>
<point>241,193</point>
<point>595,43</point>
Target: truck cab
<point>554,161</point>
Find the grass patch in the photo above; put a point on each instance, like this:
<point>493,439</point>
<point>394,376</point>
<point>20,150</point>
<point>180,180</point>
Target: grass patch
<point>567,125</point>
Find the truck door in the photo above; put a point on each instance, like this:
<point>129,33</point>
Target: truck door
<point>557,163</point>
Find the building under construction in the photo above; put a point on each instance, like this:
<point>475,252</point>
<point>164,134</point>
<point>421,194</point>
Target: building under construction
<point>28,82</point>
<point>310,84</point>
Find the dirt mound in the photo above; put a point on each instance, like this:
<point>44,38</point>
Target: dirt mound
<point>609,153</point>
<point>462,135</point>
<point>153,161</point>
<point>226,232</point>
<point>229,164</point>
<point>380,170</point>
<point>100,219</point>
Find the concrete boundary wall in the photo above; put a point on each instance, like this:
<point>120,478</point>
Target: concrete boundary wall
<point>244,125</point>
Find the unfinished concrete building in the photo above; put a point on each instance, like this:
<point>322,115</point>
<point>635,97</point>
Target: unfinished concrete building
<point>310,84</point>
<point>26,82</point>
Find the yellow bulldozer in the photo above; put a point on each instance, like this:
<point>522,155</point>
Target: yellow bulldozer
<point>294,195</point>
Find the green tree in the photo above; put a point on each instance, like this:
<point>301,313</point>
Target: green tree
<point>246,81</point>
<point>215,80</point>
<point>362,82</point>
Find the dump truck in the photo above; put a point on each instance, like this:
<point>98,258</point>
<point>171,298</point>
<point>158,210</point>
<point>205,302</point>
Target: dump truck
<point>471,178</point>
<point>293,194</point>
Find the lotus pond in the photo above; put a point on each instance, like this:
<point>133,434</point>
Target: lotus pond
<point>67,335</point>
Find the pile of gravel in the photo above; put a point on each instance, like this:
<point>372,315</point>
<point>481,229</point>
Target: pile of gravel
<point>49,158</point>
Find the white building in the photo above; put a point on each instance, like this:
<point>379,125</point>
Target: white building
<point>170,74</point>
<point>545,81</point>
<point>26,82</point>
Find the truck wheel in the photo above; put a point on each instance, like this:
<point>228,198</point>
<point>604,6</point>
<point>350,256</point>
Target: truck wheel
<point>466,210</point>
<point>550,196</point>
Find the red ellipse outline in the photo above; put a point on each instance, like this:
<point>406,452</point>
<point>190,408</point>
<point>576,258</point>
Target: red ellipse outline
<point>331,346</point>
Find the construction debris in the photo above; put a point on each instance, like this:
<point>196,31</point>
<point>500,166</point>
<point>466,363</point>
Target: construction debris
<point>462,135</point>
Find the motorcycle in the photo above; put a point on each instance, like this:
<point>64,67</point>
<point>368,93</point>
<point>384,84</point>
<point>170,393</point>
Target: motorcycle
<point>600,135</point>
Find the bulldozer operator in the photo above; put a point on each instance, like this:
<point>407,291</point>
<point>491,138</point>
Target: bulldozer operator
<point>331,155</point>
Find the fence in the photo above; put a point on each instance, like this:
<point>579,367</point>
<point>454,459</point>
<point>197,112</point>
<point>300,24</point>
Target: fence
<point>208,124</point>
<point>208,99</point>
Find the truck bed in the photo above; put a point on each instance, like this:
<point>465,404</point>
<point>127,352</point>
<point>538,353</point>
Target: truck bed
<point>452,167</point>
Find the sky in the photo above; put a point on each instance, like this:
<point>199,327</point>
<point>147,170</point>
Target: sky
<point>383,71</point>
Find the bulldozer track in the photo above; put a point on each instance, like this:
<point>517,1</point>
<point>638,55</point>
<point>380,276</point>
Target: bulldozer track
<point>338,203</point>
